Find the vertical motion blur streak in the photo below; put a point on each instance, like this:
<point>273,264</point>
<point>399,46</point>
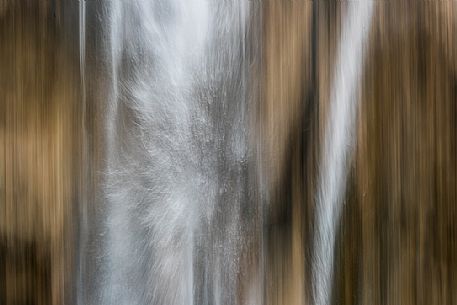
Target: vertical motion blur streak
<point>228,152</point>
<point>175,213</point>
<point>338,138</point>
<point>41,139</point>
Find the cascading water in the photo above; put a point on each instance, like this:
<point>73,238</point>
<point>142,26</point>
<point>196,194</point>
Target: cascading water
<point>177,211</point>
<point>176,153</point>
<point>339,134</point>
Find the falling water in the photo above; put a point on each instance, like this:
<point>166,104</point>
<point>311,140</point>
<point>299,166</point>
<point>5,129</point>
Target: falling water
<point>176,209</point>
<point>175,188</point>
<point>337,144</point>
<point>168,152</point>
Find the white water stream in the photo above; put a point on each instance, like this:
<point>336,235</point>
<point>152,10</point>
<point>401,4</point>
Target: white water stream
<point>170,226</point>
<point>338,142</point>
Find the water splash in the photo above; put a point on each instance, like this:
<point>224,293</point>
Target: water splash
<point>337,144</point>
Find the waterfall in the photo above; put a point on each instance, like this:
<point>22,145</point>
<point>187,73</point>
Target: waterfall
<point>176,209</point>
<point>174,183</point>
<point>338,138</point>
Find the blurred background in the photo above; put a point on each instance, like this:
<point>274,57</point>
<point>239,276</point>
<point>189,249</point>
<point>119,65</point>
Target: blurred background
<point>396,237</point>
<point>41,135</point>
